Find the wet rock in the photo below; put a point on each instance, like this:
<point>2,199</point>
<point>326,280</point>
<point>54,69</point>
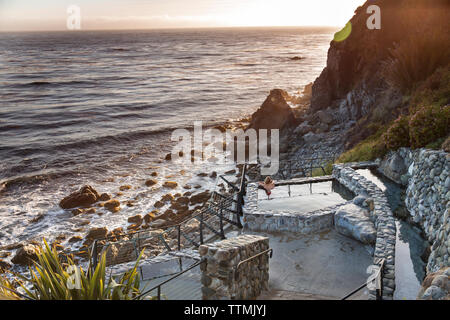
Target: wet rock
<point>137,219</point>
<point>200,198</point>
<point>112,205</point>
<point>158,224</point>
<point>167,197</point>
<point>125,187</point>
<point>75,239</point>
<point>97,233</point>
<point>202,174</point>
<point>150,216</point>
<point>213,175</point>
<point>170,184</point>
<point>85,197</point>
<point>158,204</point>
<point>77,211</point>
<point>353,221</point>
<point>154,174</point>
<point>90,211</point>
<point>13,246</point>
<point>104,197</point>
<point>5,254</point>
<point>274,113</point>
<point>150,182</point>
<point>38,218</point>
<point>4,266</point>
<point>26,255</point>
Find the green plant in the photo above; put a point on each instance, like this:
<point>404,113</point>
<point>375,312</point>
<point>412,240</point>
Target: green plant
<point>52,279</point>
<point>429,124</point>
<point>398,134</point>
<point>327,170</point>
<point>416,58</point>
<point>7,290</point>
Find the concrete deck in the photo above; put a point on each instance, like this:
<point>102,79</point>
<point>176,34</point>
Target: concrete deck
<point>321,266</point>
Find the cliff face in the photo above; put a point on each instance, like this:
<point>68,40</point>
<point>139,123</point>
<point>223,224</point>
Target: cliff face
<point>353,84</point>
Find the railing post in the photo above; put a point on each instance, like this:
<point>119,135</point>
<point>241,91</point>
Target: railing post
<point>222,233</point>
<point>379,283</point>
<point>201,227</point>
<point>179,237</point>
<point>159,292</point>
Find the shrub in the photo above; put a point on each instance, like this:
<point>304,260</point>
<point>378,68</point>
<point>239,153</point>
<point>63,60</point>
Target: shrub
<point>416,58</point>
<point>52,279</point>
<point>397,135</point>
<point>428,125</point>
<point>367,150</point>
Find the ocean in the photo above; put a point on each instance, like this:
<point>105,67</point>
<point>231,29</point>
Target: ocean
<point>98,108</point>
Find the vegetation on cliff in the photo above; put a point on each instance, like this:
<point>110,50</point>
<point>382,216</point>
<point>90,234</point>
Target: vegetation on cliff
<point>405,83</point>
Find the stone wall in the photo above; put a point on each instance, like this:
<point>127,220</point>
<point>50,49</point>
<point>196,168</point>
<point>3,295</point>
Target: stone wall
<point>383,219</point>
<point>219,280</point>
<point>426,173</point>
<point>258,219</point>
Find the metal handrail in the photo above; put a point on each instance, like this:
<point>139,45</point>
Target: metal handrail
<point>236,269</point>
<point>168,280</point>
<point>378,278</point>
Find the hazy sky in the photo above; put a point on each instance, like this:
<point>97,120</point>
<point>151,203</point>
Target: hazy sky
<point>138,14</point>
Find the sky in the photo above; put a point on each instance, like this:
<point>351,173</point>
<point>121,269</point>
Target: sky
<point>37,15</point>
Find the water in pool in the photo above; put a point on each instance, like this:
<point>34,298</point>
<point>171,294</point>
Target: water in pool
<point>409,267</point>
<point>303,197</point>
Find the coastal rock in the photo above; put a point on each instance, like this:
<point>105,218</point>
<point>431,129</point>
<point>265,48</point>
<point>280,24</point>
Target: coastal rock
<point>4,266</point>
<point>200,198</point>
<point>97,233</point>
<point>150,182</point>
<point>26,255</point>
<point>353,221</point>
<point>112,205</point>
<point>85,197</point>
<point>274,113</point>
<point>436,286</point>
<point>170,184</point>
<point>137,219</point>
<point>104,197</point>
<point>125,187</point>
<point>75,239</point>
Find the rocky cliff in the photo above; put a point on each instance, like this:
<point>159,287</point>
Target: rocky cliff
<point>355,84</point>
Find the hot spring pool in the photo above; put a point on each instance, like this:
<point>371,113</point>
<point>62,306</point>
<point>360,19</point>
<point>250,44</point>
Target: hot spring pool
<point>300,198</point>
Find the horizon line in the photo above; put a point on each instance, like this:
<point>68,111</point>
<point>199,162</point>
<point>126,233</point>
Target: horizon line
<point>172,28</point>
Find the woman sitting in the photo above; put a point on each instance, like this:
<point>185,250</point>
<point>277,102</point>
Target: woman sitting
<point>267,185</point>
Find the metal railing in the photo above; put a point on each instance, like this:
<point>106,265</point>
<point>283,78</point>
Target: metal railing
<point>158,287</point>
<point>378,278</point>
<point>236,269</point>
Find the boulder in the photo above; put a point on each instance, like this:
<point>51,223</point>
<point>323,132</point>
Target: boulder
<point>325,116</point>
<point>4,266</point>
<point>170,184</point>
<point>97,233</point>
<point>354,222</point>
<point>303,128</point>
<point>274,113</point>
<point>104,197</point>
<point>75,239</point>
<point>84,197</point>
<point>137,219</point>
<point>150,182</point>
<point>311,137</point>
<point>26,255</point>
<point>436,286</point>
<point>112,205</point>
<point>200,198</point>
